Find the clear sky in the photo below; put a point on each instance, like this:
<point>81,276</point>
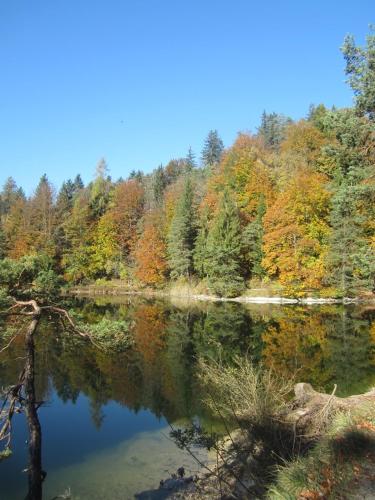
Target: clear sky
<point>139,81</point>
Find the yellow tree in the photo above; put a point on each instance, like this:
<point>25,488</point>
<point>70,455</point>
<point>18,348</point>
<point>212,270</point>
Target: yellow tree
<point>245,169</point>
<point>296,231</point>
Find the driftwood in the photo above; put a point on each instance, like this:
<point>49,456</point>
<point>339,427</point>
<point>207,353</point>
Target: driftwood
<point>312,411</point>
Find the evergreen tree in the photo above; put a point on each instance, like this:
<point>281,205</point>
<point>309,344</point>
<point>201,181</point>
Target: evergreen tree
<point>136,175</point>
<point>3,245</point>
<point>253,241</point>
<point>224,251</point>
<point>78,183</point>
<point>272,129</point>
<point>77,230</point>
<point>9,195</point>
<point>351,259</point>
<point>212,150</point>
<point>100,190</point>
<point>64,202</point>
<point>158,185</point>
<point>360,68</point>
<point>64,207</point>
<point>182,234</point>
<point>200,248</point>
<point>190,161</point>
<point>43,217</point>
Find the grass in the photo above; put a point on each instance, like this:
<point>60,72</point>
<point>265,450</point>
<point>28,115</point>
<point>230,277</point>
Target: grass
<point>244,390</point>
<point>337,467</point>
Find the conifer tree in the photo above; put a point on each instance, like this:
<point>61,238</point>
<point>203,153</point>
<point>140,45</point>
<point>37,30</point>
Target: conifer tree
<point>2,244</point>
<point>100,189</point>
<point>212,150</point>
<point>158,185</point>
<point>8,196</point>
<point>200,248</point>
<point>78,183</point>
<point>360,68</point>
<point>182,234</point>
<point>272,129</point>
<point>351,259</point>
<point>224,251</point>
<point>253,241</point>
<point>190,161</point>
<point>43,217</point>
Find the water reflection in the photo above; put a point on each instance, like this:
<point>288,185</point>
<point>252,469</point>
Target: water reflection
<point>154,382</point>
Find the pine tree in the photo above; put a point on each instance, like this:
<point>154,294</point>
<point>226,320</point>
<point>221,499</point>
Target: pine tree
<point>182,234</point>
<point>360,68</point>
<point>272,129</point>
<point>212,150</point>
<point>200,248</point>
<point>351,259</point>
<point>158,185</point>
<point>3,244</point>
<point>43,217</point>
<point>78,183</point>
<point>100,189</point>
<point>9,195</point>
<point>224,251</point>
<point>253,241</point>
<point>190,161</point>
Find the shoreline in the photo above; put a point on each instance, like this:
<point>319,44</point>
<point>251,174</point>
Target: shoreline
<point>95,290</point>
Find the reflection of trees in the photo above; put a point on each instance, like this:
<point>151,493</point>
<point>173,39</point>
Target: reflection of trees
<point>159,373</point>
<point>350,351</point>
<point>226,330</point>
<point>297,341</point>
<point>324,346</point>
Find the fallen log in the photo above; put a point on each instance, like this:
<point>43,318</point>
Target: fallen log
<point>311,411</point>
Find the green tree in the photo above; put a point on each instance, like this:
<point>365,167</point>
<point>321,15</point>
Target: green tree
<point>30,277</point>
<point>9,195</point>
<point>159,183</point>
<point>351,259</point>
<point>200,248</point>
<point>190,161</point>
<point>3,243</point>
<point>253,241</point>
<point>43,217</point>
<point>182,234</point>
<point>272,129</point>
<point>78,232</point>
<point>224,251</point>
<point>360,68</point>
<point>100,189</point>
<point>212,150</point>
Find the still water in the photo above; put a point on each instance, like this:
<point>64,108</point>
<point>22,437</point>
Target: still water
<point>106,417</point>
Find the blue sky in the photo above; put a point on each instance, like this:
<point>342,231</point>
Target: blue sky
<point>140,81</point>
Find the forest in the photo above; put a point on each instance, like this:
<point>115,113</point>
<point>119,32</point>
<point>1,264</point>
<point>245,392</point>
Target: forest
<point>291,206</point>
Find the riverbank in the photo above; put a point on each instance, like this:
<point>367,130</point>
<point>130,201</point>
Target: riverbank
<point>251,296</point>
<point>334,460</point>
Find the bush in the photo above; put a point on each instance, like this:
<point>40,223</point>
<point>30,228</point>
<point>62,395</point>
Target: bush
<point>243,390</point>
<point>109,334</point>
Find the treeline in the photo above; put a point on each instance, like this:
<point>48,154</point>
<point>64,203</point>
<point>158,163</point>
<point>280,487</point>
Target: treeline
<point>293,204</point>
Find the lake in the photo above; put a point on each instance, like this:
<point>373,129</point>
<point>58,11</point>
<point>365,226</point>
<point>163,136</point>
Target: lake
<point>106,418</point>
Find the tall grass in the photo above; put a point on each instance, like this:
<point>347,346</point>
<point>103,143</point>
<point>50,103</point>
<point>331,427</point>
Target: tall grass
<point>244,391</point>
